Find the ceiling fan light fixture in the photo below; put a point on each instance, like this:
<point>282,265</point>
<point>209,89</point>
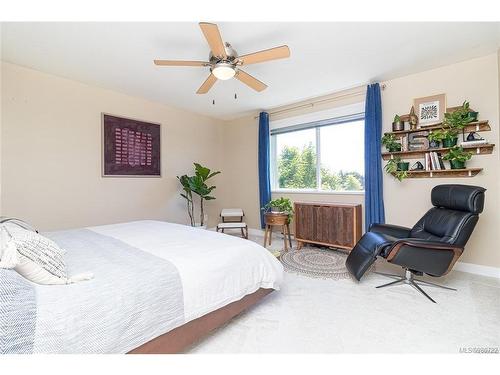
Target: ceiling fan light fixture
<point>223,71</point>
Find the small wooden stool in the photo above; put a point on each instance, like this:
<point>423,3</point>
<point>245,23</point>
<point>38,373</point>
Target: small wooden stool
<point>277,219</point>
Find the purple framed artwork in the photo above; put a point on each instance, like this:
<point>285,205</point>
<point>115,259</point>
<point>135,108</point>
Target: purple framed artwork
<point>130,147</point>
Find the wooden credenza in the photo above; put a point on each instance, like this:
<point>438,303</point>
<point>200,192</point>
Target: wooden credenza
<point>329,224</point>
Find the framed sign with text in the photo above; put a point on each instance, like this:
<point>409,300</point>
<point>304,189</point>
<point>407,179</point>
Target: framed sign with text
<point>130,147</point>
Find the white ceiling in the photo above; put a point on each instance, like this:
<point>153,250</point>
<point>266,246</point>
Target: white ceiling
<point>325,57</point>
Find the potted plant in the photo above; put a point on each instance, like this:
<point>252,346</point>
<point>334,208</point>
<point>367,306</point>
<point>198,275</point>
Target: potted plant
<point>390,143</point>
<point>450,137</point>
<point>280,205</point>
<point>435,137</point>
<point>397,168</point>
<point>197,184</point>
<point>456,121</point>
<point>457,157</point>
<point>397,124</point>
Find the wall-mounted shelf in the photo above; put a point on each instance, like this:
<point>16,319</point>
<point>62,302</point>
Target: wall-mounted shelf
<point>477,126</point>
<point>468,172</point>
<point>418,154</point>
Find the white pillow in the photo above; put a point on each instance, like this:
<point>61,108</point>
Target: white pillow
<point>36,257</point>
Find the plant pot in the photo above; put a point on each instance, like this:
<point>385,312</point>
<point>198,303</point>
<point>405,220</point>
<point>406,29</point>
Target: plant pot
<point>474,115</point>
<point>447,142</point>
<point>395,148</point>
<point>455,164</point>
<point>434,144</point>
<point>398,126</point>
<point>403,166</point>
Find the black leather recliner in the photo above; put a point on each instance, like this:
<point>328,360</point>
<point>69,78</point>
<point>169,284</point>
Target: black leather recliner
<point>432,246</point>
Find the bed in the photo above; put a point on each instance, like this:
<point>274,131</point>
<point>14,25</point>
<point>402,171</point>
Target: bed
<point>158,287</point>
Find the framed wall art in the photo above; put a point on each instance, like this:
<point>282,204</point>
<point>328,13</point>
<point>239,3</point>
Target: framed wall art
<point>130,148</point>
<point>430,109</point>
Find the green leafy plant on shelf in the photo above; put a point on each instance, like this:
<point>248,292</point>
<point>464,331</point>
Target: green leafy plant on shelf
<point>457,157</point>
<point>454,122</point>
<point>397,168</point>
<point>281,205</point>
<point>390,142</point>
<point>459,118</point>
<point>197,184</point>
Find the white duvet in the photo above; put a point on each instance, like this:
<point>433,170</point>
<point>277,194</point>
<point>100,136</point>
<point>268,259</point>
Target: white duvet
<point>215,269</point>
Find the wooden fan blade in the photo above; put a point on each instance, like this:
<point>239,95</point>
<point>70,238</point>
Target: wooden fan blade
<point>266,55</point>
<point>248,80</point>
<point>207,85</point>
<point>212,35</point>
<point>180,63</point>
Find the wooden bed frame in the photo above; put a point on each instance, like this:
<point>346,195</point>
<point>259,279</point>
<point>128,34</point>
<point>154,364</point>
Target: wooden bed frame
<point>182,337</point>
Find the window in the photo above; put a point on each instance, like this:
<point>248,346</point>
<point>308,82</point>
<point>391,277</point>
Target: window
<point>325,155</point>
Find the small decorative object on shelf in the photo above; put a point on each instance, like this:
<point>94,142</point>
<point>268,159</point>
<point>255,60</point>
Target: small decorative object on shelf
<point>413,118</point>
<point>474,139</point>
<point>390,143</point>
<point>398,168</point>
<point>430,109</point>
<point>418,141</point>
<point>418,166</point>
<point>398,124</point>
<point>457,157</point>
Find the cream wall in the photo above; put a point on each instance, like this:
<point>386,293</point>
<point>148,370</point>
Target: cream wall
<point>475,80</point>
<point>51,154</point>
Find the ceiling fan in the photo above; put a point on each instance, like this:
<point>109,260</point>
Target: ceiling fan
<point>225,63</point>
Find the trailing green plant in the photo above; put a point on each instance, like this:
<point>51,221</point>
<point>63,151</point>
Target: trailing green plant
<point>392,167</point>
<point>459,118</point>
<point>457,154</point>
<point>389,140</point>
<point>197,184</point>
<point>281,204</point>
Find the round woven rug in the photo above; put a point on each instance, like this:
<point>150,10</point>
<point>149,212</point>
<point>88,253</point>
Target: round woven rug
<point>316,262</point>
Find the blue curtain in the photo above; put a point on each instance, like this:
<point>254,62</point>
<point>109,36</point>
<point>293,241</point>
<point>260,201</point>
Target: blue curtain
<point>264,163</point>
<point>374,197</point>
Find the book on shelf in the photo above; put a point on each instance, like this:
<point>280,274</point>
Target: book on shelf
<point>433,161</point>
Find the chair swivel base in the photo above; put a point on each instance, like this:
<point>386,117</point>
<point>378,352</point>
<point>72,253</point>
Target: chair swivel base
<point>409,279</point>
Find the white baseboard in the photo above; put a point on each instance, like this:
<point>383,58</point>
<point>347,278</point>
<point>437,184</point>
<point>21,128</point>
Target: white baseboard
<point>478,269</point>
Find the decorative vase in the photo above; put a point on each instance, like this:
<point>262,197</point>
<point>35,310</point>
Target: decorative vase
<point>450,142</point>
<point>403,166</point>
<point>398,126</point>
<point>434,144</point>
<point>474,115</point>
<point>456,164</point>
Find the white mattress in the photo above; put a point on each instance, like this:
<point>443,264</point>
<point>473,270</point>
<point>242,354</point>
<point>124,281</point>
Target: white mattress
<point>215,269</point>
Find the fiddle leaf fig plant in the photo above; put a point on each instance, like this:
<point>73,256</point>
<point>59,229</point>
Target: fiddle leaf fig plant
<point>197,184</point>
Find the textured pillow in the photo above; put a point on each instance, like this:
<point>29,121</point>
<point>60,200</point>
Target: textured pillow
<point>36,257</point>
<point>38,249</point>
